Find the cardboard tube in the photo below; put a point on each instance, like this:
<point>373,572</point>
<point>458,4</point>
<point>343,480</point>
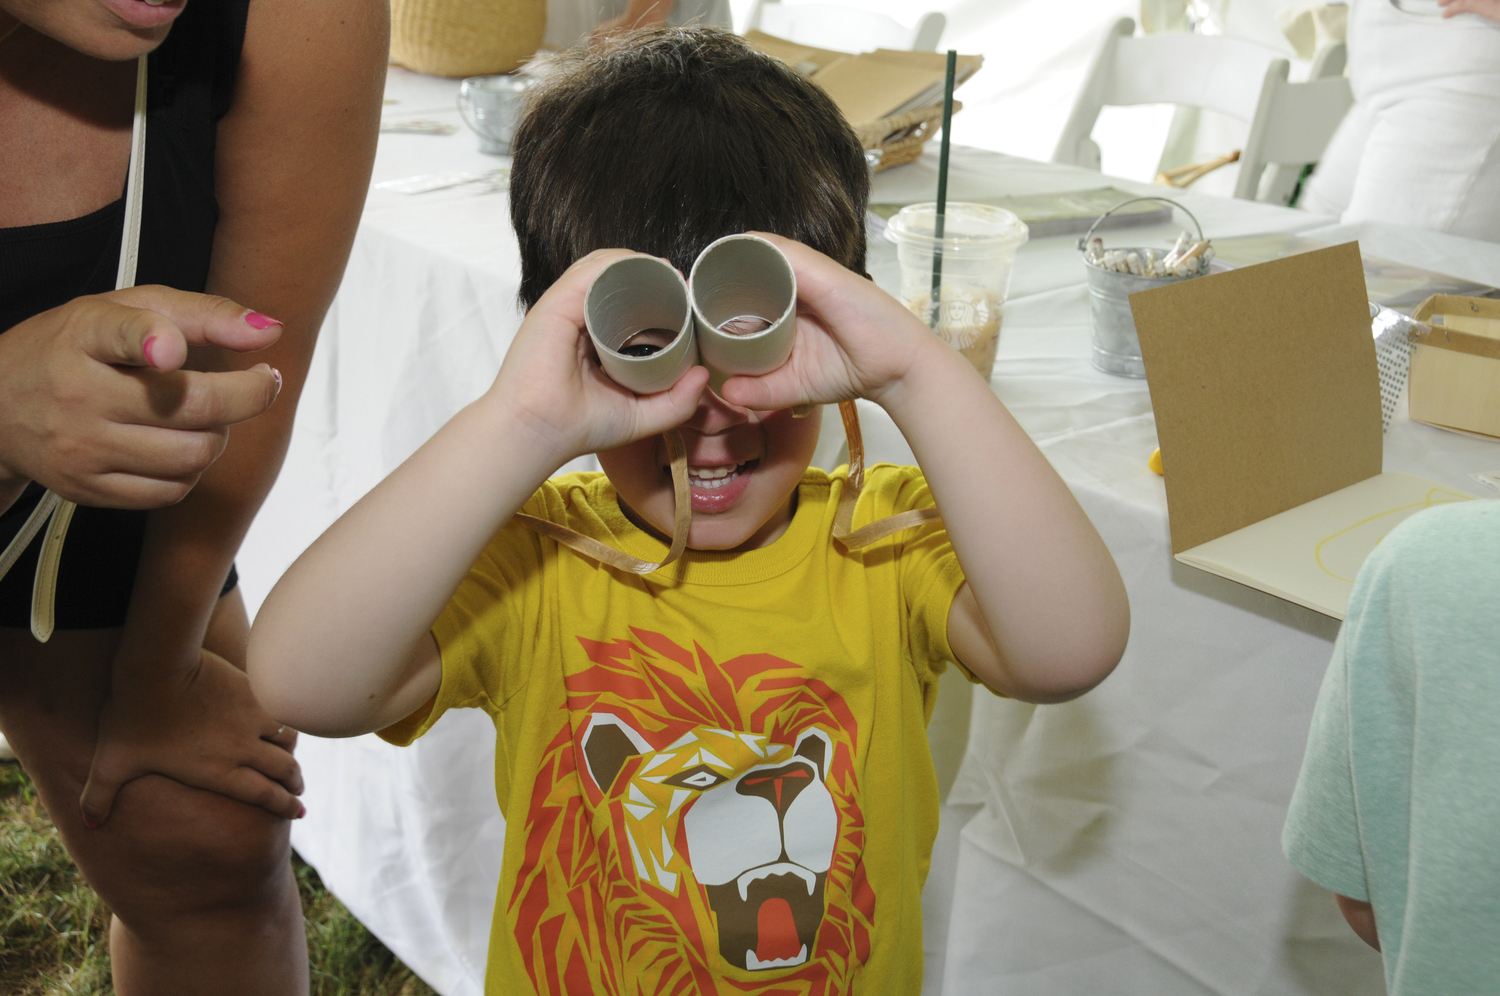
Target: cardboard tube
<point>739,277</point>
<point>629,296</point>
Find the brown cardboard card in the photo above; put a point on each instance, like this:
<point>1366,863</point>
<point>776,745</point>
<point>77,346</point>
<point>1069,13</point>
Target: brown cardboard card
<point>1455,370</point>
<point>1267,403</point>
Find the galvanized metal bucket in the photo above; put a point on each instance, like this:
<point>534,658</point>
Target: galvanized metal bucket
<point>1117,350</point>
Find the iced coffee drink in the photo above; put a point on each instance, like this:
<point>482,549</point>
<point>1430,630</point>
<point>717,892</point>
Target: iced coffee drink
<point>969,256</point>
<point>968,319</point>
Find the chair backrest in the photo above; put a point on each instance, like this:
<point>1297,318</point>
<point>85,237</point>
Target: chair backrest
<point>1330,60</point>
<point>1210,71</point>
<point>1293,125</point>
<point>846,29</point>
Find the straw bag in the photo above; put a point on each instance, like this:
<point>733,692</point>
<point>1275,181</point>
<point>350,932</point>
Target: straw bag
<point>900,137</point>
<point>466,37</point>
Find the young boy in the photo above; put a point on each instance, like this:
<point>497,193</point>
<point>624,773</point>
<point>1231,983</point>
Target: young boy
<point>715,777</point>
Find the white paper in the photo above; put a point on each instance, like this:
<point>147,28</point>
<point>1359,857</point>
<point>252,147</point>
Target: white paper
<point>1310,554</point>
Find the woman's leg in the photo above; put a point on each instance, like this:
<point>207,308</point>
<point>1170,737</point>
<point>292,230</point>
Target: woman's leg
<point>201,885</point>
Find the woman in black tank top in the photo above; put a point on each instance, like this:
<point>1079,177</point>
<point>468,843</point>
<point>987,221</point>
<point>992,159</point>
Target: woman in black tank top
<point>43,266</point>
<point>170,786</point>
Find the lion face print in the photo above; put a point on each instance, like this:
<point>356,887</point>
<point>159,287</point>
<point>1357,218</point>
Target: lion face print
<point>760,828</point>
<point>695,828</point>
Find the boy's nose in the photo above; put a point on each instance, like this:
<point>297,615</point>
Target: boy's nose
<point>715,415</point>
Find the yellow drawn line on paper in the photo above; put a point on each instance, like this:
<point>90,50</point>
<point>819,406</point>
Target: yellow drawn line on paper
<point>1427,502</point>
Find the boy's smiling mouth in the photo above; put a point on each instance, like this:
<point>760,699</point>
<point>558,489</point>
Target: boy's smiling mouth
<point>719,487</point>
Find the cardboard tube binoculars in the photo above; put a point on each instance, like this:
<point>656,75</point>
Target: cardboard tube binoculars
<point>736,314</point>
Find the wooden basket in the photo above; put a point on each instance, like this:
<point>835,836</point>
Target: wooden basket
<point>901,136</point>
<point>460,38</point>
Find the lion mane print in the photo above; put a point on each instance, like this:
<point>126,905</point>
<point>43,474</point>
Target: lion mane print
<point>694,828</point>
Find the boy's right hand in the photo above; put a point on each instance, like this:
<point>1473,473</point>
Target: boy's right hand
<point>551,382</point>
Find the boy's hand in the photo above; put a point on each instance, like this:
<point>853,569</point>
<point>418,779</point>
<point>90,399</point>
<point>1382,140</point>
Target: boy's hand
<point>853,340</point>
<point>551,382</point>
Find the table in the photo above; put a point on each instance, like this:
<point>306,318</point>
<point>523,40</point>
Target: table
<point>1127,842</point>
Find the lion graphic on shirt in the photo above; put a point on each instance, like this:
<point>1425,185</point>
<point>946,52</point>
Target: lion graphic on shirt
<point>695,828</point>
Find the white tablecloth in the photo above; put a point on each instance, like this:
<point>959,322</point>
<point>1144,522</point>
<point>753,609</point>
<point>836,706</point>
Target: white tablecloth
<point>1127,842</point>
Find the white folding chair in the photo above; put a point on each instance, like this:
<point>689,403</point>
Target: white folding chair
<point>847,29</point>
<point>1291,123</point>
<point>1209,71</point>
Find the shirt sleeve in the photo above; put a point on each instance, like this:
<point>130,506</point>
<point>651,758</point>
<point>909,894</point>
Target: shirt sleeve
<point>1321,836</point>
<point>929,572</point>
<point>486,630</point>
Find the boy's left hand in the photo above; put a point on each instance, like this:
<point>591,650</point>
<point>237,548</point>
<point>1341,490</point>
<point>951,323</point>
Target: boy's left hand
<point>853,340</point>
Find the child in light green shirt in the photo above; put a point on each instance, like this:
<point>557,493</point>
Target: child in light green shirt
<point>1397,809</point>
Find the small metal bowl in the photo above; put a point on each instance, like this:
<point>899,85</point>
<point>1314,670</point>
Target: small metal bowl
<point>490,106</point>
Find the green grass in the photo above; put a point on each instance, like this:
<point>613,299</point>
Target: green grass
<point>54,930</point>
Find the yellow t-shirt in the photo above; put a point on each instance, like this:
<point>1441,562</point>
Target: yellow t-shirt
<point>715,779</point>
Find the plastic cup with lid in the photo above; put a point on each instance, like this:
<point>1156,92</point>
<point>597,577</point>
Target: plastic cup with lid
<point>974,258</point>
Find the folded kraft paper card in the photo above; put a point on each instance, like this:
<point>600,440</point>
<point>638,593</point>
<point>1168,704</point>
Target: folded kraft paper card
<point>1267,402</point>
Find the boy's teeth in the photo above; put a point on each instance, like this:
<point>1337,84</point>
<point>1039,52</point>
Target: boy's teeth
<point>154,3</point>
<point>713,477</point>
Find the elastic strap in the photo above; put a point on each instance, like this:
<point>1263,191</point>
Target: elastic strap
<point>844,516</point>
<point>683,510</point>
<point>593,549</point>
<point>59,510</point>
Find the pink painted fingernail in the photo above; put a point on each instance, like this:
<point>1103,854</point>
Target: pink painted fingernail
<point>146,348</point>
<point>301,812</point>
<point>277,374</point>
<point>89,823</point>
<point>256,320</point>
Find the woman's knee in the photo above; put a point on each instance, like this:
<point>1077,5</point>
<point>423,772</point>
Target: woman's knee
<point>168,849</point>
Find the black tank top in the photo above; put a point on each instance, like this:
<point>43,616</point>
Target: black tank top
<point>190,82</point>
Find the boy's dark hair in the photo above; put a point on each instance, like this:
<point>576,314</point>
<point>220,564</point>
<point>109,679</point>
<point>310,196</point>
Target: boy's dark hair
<point>669,138</point>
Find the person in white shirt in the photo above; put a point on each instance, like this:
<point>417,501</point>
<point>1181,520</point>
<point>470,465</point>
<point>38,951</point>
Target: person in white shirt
<point>1421,146</point>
